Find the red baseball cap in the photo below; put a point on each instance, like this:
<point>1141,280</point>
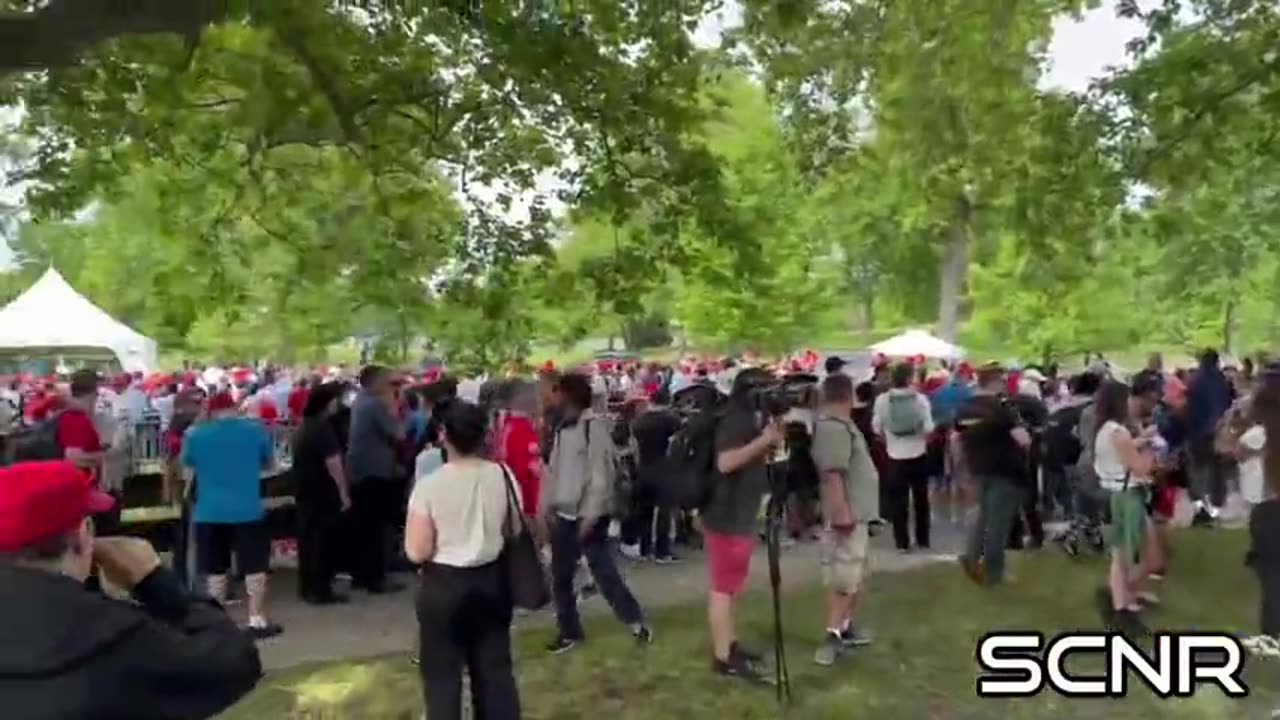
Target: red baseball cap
<point>41,499</point>
<point>221,401</point>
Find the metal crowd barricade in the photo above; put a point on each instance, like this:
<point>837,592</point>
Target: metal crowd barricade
<point>282,439</point>
<point>146,447</point>
<point>147,454</point>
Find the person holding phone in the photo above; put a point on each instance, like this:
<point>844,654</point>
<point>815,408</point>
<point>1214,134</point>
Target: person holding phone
<point>66,652</point>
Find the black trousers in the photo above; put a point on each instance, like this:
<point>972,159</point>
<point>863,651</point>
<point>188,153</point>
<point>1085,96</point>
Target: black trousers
<point>464,622</point>
<point>566,550</point>
<point>908,487</point>
<point>317,548</point>
<point>373,502</point>
<point>647,524</point>
<point>1264,556</point>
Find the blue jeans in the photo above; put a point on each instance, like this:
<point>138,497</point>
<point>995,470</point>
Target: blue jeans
<point>566,549</point>
<point>999,502</point>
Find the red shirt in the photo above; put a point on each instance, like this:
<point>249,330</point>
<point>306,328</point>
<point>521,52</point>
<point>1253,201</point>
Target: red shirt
<point>41,405</point>
<point>298,403</point>
<point>267,411</point>
<point>76,430</point>
<point>519,450</point>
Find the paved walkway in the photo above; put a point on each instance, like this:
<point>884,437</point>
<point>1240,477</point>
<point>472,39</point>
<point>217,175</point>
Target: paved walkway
<point>377,625</point>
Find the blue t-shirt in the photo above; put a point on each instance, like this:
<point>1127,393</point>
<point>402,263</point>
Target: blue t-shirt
<point>947,400</point>
<point>416,426</point>
<point>227,456</point>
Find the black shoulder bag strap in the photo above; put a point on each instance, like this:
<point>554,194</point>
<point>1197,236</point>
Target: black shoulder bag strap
<point>508,525</point>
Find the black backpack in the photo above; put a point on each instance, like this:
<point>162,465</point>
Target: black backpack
<point>40,443</point>
<point>690,471</point>
<point>1062,446</point>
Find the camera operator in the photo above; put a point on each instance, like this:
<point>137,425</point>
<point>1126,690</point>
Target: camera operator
<point>743,442</point>
<point>850,499</point>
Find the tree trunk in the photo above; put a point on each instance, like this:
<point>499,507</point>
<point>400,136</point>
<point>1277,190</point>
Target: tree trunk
<point>868,311</point>
<point>951,274</point>
<point>1229,328</point>
<point>404,337</point>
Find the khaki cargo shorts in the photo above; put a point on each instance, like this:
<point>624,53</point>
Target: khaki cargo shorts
<point>844,560</point>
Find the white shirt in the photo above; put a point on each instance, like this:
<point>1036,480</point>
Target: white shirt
<point>164,406</point>
<point>135,403</point>
<point>902,447</point>
<point>467,501</point>
<point>1107,463</point>
<point>1251,485</point>
<point>469,390</point>
<point>212,376</point>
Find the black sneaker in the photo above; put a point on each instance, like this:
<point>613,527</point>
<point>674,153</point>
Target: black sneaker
<point>643,635</point>
<point>263,632</point>
<point>740,668</point>
<point>738,650</point>
<point>1202,519</point>
<point>1129,623</point>
<point>852,636</point>
<point>561,645</point>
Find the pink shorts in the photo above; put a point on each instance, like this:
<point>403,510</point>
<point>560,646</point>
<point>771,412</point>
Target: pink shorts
<point>728,560</point>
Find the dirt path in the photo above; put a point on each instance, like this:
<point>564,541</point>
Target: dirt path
<point>377,625</point>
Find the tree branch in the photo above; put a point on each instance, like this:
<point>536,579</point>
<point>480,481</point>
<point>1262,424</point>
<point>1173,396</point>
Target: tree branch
<point>326,84</point>
<point>58,33</point>
<point>1214,102</point>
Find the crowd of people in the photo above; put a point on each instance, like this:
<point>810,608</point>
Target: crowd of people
<point>438,475</point>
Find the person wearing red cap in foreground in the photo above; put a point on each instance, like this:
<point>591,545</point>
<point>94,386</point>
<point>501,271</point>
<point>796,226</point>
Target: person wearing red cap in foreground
<point>226,455</point>
<point>67,652</point>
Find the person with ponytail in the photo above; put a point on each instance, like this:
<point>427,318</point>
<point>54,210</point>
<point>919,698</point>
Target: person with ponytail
<point>1264,520</point>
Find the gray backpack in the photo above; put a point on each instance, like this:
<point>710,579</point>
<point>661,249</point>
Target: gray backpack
<point>905,418</point>
<point>1088,436</point>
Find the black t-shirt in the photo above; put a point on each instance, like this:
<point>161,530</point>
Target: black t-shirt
<point>653,431</point>
<point>734,507</point>
<point>315,442</point>
<point>985,423</point>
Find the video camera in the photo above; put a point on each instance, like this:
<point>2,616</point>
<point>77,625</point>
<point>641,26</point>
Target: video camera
<point>776,399</point>
<point>696,398</point>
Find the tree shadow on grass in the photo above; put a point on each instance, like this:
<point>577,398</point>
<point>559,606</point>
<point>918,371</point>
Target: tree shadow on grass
<point>928,622</point>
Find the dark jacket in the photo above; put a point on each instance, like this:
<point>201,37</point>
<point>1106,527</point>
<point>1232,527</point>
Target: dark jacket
<point>1208,399</point>
<point>67,653</point>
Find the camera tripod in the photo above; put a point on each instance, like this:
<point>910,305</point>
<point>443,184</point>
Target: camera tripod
<point>775,516</point>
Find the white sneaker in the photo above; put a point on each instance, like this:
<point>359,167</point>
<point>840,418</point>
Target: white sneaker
<point>630,552</point>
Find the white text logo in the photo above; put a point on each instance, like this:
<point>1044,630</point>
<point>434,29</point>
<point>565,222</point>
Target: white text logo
<point>1020,664</point>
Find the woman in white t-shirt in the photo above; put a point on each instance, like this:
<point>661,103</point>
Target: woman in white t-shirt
<point>1123,463</point>
<point>1249,453</point>
<point>455,529</point>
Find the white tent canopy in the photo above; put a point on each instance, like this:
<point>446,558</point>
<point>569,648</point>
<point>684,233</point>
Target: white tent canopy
<point>918,342</point>
<point>52,316</point>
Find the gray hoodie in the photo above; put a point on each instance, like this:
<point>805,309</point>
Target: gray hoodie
<point>579,482</point>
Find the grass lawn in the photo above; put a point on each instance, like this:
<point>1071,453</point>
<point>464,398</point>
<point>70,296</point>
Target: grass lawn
<point>922,667</point>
